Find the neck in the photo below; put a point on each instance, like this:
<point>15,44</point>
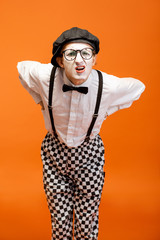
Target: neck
<point>73,81</point>
<point>77,82</point>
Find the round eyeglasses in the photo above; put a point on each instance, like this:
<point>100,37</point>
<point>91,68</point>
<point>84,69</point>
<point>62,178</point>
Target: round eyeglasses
<point>71,54</point>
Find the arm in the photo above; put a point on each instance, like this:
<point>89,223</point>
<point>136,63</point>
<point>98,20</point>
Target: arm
<point>29,78</point>
<point>124,92</point>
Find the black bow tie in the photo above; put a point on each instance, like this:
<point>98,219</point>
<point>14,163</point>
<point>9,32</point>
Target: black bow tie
<point>78,89</point>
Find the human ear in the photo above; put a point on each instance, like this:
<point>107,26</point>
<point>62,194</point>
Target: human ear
<point>59,60</point>
<point>94,59</point>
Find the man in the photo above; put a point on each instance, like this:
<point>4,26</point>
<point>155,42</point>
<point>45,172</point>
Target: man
<point>75,100</point>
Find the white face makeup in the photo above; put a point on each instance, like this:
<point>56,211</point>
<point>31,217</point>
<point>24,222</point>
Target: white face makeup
<point>77,70</point>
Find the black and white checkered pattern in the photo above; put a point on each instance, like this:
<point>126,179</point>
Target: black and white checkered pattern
<point>73,180</point>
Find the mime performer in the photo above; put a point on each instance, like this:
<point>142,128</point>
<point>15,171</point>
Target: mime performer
<point>75,100</point>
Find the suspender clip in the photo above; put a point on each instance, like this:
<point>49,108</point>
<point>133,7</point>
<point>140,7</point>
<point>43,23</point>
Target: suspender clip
<point>95,115</point>
<point>50,107</point>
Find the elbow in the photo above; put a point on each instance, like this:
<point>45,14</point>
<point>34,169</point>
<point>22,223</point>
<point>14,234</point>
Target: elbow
<point>138,85</point>
<point>141,87</point>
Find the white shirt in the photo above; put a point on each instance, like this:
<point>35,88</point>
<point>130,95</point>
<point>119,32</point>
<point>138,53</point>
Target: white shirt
<point>73,111</point>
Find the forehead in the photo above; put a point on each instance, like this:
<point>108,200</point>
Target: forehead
<point>76,46</point>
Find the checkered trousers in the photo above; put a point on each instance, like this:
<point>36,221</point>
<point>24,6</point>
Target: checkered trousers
<point>73,179</point>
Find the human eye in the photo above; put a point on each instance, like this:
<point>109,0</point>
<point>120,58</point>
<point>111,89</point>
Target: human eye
<point>86,53</point>
<point>70,53</point>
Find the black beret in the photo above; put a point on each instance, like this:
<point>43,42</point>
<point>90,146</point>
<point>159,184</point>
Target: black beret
<point>74,34</point>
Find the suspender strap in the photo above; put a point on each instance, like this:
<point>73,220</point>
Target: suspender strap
<point>99,95</point>
<point>51,85</point>
<point>95,115</point>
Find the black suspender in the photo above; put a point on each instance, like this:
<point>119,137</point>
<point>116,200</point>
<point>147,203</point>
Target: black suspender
<point>95,115</point>
<point>51,85</point>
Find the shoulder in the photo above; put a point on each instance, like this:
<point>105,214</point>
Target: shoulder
<point>109,81</point>
<point>34,68</point>
<point>112,82</point>
<point>34,65</point>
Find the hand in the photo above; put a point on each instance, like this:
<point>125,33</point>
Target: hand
<point>42,106</point>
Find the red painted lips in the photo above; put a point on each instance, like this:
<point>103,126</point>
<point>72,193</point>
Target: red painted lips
<point>80,69</point>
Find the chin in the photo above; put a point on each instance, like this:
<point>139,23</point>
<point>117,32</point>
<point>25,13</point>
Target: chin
<point>78,81</point>
<point>81,77</point>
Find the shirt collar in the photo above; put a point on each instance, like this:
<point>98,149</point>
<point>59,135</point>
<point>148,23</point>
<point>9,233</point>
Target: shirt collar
<point>68,82</point>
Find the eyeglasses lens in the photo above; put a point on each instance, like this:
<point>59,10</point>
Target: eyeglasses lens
<point>86,53</point>
<point>71,54</point>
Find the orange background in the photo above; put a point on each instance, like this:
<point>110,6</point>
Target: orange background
<point>129,41</point>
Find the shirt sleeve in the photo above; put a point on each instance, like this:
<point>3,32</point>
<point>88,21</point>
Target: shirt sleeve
<point>28,76</point>
<point>124,92</point>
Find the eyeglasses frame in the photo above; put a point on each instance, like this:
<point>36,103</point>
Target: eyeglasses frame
<point>93,53</point>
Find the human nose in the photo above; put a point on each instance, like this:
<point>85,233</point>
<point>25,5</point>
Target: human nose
<point>78,57</point>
